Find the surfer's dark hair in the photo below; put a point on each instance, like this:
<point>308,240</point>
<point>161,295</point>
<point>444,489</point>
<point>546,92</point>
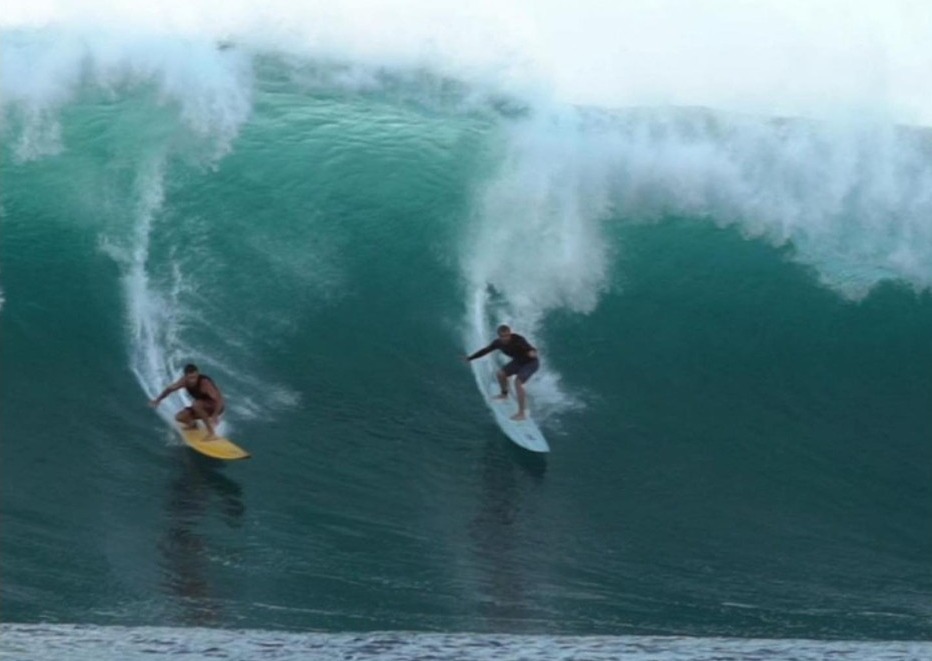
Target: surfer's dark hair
<point>190,368</point>
<point>504,328</point>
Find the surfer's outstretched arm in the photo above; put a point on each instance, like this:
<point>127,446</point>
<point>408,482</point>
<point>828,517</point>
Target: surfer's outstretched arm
<point>482,352</point>
<point>177,385</point>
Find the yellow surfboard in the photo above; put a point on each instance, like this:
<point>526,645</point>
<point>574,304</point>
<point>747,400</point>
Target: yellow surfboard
<point>217,447</point>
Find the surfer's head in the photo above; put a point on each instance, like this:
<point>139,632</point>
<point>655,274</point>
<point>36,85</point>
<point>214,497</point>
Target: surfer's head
<point>191,373</point>
<point>504,333</point>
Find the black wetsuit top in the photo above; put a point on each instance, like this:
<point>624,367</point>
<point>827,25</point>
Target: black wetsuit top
<point>517,349</point>
<point>197,393</point>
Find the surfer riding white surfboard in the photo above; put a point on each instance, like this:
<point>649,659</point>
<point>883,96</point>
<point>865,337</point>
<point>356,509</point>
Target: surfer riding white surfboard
<point>524,362</point>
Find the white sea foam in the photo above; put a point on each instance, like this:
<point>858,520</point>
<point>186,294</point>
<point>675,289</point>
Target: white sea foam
<point>153,315</point>
<point>850,199</point>
<point>770,57</point>
<point>43,70</point>
<point>43,641</point>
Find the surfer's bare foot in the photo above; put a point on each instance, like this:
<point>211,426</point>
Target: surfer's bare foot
<point>503,395</point>
<point>190,425</point>
<point>519,416</point>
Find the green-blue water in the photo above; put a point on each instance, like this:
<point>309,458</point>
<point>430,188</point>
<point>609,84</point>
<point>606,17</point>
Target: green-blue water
<point>736,381</point>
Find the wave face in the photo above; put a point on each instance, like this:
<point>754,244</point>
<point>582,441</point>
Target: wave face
<point>734,313</point>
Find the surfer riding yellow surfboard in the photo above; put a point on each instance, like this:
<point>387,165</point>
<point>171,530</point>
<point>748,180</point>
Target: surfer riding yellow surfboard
<point>208,404</point>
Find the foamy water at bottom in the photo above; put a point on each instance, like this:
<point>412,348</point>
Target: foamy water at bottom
<point>39,642</point>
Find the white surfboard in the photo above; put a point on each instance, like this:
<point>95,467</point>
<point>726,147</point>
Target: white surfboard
<point>525,432</point>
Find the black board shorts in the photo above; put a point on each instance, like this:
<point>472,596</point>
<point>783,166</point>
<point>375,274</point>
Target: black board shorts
<point>522,370</point>
<point>210,407</point>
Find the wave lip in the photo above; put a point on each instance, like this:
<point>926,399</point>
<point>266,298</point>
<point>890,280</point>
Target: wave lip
<point>44,71</point>
<point>769,58</point>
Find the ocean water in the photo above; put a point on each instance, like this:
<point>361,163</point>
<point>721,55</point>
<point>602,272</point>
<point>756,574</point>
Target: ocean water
<point>734,313</point>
